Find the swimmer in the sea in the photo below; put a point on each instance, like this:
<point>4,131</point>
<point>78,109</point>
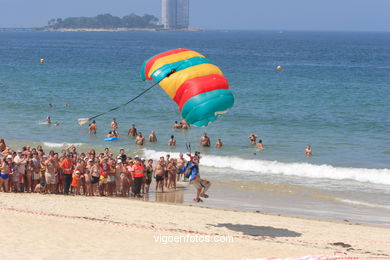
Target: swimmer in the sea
<point>253,138</point>
<point>110,134</point>
<point>176,125</point>
<point>218,144</point>
<point>114,124</point>
<point>260,144</point>
<point>308,150</point>
<point>205,140</point>
<point>48,120</point>
<point>172,141</point>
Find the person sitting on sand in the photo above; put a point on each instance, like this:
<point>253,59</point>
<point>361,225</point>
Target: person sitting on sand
<point>218,144</point>
<point>253,138</point>
<point>140,140</point>
<point>260,144</point>
<point>172,141</point>
<point>201,185</point>
<point>308,150</point>
<point>152,137</point>
<point>132,131</point>
<point>205,140</point>
<point>176,125</point>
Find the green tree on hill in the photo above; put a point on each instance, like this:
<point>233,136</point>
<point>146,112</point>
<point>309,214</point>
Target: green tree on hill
<point>106,21</point>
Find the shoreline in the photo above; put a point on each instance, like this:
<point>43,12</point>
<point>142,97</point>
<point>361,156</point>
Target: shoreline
<point>139,223</point>
<point>260,195</point>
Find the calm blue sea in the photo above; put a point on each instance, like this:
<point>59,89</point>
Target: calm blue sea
<point>333,93</point>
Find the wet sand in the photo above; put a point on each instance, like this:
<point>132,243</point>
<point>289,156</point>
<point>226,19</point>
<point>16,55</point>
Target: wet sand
<point>58,227</point>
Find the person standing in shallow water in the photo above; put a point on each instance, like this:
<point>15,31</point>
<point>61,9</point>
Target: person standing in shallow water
<point>218,144</point>
<point>176,125</point>
<point>253,138</point>
<point>308,150</point>
<point>152,137</point>
<point>132,131</point>
<point>172,141</point>
<point>92,128</point>
<point>114,124</point>
<point>205,140</point>
<point>140,140</point>
<point>260,144</point>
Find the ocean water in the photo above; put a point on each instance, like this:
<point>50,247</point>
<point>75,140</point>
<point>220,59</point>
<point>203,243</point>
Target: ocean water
<point>333,93</point>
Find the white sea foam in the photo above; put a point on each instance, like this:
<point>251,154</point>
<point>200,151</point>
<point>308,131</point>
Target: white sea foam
<point>361,203</point>
<point>56,145</point>
<point>306,170</point>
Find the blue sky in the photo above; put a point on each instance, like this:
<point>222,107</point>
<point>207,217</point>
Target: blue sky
<point>360,15</point>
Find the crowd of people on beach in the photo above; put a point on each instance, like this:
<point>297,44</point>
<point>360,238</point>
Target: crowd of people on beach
<point>90,174</point>
<point>105,174</point>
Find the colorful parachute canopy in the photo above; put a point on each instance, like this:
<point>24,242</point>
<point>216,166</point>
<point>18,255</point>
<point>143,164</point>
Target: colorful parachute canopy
<point>197,86</point>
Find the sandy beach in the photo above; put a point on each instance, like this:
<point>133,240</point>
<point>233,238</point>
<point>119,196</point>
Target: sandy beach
<point>68,227</point>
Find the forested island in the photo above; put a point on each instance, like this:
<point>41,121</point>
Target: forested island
<point>105,22</point>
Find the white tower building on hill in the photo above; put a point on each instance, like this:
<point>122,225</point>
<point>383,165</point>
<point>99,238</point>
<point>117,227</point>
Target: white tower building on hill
<point>175,14</point>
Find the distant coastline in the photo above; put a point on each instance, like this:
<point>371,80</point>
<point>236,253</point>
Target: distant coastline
<point>109,23</point>
<point>120,29</point>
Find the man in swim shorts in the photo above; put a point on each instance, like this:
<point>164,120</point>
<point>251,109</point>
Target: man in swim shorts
<point>159,172</point>
<point>92,128</point>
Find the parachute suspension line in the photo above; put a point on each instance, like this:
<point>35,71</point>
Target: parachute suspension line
<point>187,136</point>
<point>83,121</point>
